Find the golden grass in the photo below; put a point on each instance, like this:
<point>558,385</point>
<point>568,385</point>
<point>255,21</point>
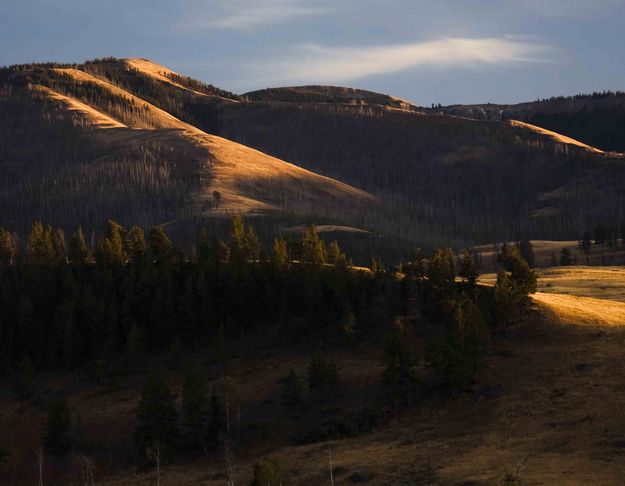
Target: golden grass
<point>248,180</point>
<point>571,309</point>
<point>161,73</point>
<point>556,137</point>
<point>92,117</point>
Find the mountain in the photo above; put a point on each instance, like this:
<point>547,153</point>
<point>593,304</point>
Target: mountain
<point>78,148</point>
<point>135,141</point>
<point>598,119</point>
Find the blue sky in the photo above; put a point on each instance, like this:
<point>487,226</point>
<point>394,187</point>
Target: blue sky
<point>427,51</point>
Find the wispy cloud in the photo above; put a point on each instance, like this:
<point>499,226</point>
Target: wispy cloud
<point>314,63</point>
<point>250,14</point>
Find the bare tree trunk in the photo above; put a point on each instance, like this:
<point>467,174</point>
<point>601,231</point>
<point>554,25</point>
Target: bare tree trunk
<point>158,463</point>
<point>330,462</point>
<point>40,460</point>
<point>228,459</point>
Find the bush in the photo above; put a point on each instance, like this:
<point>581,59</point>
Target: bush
<point>274,471</point>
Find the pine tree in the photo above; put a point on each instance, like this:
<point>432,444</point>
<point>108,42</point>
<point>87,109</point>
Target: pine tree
<point>313,247</point>
<point>251,245</point>
<point>291,391</point>
<point>441,273</point>
<point>527,251</point>
<point>566,258</point>
<point>56,438</point>
<point>161,247</point>
<point>136,246</point>
<point>237,239</point>
<point>195,406</point>
<point>111,250</point>
<point>78,251</point>
<point>280,253</point>
<point>217,423</point>
<point>8,247</point>
<point>321,374</point>
<point>467,270</point>
<point>335,255</point>
<point>41,246</point>
<point>587,244</point>
<point>203,246</point>
<point>399,377</point>
<point>156,416</point>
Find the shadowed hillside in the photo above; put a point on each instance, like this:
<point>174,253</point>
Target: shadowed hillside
<point>81,149</point>
<point>597,119</point>
<point>437,180</point>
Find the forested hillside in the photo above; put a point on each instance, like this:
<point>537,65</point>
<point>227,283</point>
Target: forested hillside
<point>77,147</point>
<point>442,177</point>
<point>597,119</point>
<point>399,173</point>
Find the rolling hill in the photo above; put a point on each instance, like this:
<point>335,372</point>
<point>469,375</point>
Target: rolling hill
<point>156,146</point>
<point>78,149</point>
<point>597,119</point>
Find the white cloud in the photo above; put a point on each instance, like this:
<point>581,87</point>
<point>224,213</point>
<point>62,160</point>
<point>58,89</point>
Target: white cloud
<point>249,14</point>
<point>312,63</point>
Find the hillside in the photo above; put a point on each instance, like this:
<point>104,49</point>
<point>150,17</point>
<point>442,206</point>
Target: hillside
<point>134,160</point>
<point>597,119</point>
<point>444,180</point>
<point>436,180</point>
<point>330,95</point>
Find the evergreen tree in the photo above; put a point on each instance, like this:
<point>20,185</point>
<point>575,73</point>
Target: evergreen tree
<point>587,244</point>
<point>156,416</point>
<point>237,239</point>
<point>195,406</point>
<point>280,253</point>
<point>467,270</point>
<point>56,438</point>
<point>291,391</point>
<point>8,247</point>
<point>527,251</point>
<point>399,377</point>
<point>161,247</point>
<point>335,255</point>
<point>78,251</point>
<point>41,246</point>
<point>111,250</point>
<point>251,245</point>
<point>203,246</point>
<point>217,423</point>
<point>136,246</point>
<point>313,247</point>
<point>566,258</point>
<point>515,281</point>
<point>441,273</point>
<point>321,374</point>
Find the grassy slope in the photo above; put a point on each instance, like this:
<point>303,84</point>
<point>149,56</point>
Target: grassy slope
<point>247,179</point>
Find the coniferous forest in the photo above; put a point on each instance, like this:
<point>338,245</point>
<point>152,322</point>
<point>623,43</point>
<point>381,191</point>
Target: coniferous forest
<point>135,304</point>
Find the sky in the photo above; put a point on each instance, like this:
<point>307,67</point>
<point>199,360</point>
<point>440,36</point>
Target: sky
<point>425,51</point>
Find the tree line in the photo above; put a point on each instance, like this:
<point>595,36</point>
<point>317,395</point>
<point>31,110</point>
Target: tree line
<point>133,296</point>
